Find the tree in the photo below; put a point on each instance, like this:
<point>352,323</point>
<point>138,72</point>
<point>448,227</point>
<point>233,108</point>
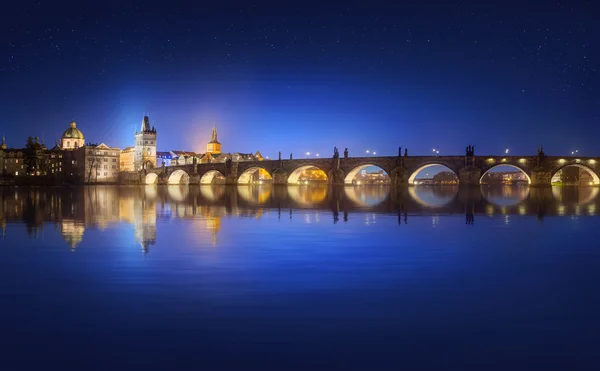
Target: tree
<point>91,163</point>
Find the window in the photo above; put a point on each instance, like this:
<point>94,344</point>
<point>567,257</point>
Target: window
<point>105,159</point>
<point>73,162</point>
<point>145,142</point>
<point>68,144</point>
<point>114,167</point>
<point>105,174</point>
<point>114,160</point>
<point>76,144</point>
<point>105,167</point>
<point>16,173</point>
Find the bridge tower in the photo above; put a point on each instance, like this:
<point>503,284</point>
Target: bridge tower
<point>145,146</point>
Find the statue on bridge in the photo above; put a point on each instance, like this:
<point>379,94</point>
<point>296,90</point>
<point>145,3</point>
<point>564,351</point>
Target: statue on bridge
<point>405,152</point>
<point>470,151</point>
<point>346,153</point>
<point>540,152</point>
<point>399,151</point>
<point>336,154</point>
<point>291,158</point>
<point>279,155</point>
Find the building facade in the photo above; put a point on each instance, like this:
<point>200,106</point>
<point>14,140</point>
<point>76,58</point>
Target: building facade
<point>127,159</point>
<point>98,163</point>
<point>145,146</point>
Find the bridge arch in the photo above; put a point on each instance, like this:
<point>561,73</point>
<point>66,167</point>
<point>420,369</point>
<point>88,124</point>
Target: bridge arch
<point>151,178</point>
<point>179,177</point>
<point>212,177</point>
<point>595,179</point>
<point>255,174</point>
<point>351,176</point>
<point>294,177</point>
<point>506,165</point>
<point>411,179</point>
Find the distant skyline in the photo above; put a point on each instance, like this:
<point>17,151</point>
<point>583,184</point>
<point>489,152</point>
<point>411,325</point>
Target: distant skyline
<point>305,78</point>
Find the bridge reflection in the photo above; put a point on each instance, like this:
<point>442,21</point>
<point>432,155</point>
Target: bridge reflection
<point>74,210</point>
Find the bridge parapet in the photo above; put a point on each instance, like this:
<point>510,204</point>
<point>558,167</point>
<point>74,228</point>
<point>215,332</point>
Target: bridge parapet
<point>401,169</point>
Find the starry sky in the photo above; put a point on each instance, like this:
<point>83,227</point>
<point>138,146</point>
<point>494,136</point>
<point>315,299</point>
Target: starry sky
<point>305,77</point>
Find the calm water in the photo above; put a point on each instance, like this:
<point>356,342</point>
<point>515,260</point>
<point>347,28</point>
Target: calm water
<point>215,278</point>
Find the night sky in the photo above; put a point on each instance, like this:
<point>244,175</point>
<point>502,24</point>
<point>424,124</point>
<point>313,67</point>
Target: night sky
<point>306,77</point>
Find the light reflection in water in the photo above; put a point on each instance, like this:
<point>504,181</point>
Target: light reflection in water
<point>432,196</point>
<point>74,210</point>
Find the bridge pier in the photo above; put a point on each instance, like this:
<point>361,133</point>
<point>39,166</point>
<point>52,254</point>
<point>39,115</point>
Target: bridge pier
<point>280,177</point>
<point>469,176</point>
<point>194,179</point>
<point>541,178</point>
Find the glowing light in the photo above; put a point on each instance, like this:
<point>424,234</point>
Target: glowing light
<point>522,161</point>
<point>434,150</point>
<point>503,160</point>
<point>358,182</point>
<point>506,151</point>
<point>367,151</point>
<point>317,155</point>
<point>562,161</point>
<point>374,153</point>
<point>490,160</point>
<point>592,162</point>
<point>308,153</point>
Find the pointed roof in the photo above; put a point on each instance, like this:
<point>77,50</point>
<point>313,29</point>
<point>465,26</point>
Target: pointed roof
<point>145,124</point>
<point>214,136</point>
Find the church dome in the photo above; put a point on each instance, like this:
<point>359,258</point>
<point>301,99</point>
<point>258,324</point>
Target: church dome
<point>72,132</point>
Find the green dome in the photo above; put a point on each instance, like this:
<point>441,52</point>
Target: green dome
<point>73,132</point>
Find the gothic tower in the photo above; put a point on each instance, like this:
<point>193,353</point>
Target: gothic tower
<point>145,146</point>
<point>213,147</point>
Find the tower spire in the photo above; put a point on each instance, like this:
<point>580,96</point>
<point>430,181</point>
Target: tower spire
<point>214,134</point>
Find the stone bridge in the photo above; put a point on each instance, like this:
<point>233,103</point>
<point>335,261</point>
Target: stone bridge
<point>402,169</point>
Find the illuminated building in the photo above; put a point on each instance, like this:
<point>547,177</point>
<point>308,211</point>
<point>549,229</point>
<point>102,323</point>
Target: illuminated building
<point>98,163</point>
<point>313,175</point>
<point>213,147</point>
<point>145,146</point>
<point>376,177</point>
<point>163,159</point>
<point>127,159</point>
<point>72,138</point>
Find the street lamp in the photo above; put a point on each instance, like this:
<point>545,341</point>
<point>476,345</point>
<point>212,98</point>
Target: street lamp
<point>506,151</point>
<point>437,152</point>
<point>317,155</point>
<point>374,153</point>
<point>367,151</point>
